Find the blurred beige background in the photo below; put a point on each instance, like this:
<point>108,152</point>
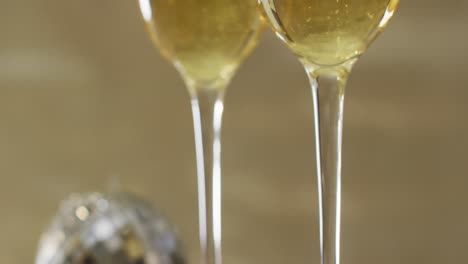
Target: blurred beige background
<point>85,99</point>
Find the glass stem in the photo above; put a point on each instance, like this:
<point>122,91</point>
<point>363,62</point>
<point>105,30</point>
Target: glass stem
<point>328,87</point>
<point>207,109</point>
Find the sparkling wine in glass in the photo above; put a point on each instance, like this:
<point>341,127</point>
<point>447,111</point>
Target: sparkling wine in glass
<point>328,36</point>
<point>206,40</point>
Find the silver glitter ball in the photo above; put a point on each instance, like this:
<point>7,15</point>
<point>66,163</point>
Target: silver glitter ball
<point>109,229</point>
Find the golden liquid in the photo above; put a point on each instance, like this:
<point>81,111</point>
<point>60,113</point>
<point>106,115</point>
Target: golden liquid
<point>328,32</point>
<point>205,39</point>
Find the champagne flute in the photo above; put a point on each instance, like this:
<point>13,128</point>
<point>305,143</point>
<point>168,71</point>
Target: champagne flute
<point>328,36</point>
<point>206,40</point>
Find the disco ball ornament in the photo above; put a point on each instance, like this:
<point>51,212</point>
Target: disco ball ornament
<point>109,229</point>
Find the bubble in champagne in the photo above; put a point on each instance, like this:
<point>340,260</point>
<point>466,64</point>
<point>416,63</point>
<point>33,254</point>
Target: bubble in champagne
<point>109,229</point>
